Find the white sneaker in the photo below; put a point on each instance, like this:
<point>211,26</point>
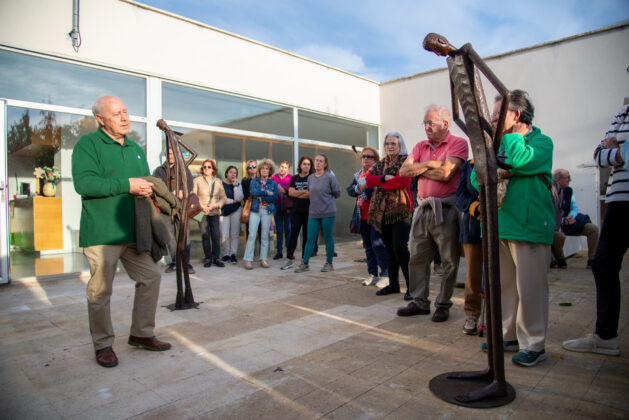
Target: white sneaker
<point>592,343</point>
<point>371,279</point>
<point>382,282</point>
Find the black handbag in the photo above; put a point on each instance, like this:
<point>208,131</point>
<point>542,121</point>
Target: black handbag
<point>354,224</point>
<point>576,228</point>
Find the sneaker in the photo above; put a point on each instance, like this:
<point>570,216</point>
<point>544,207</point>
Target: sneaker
<point>171,267</point>
<point>225,258</point>
<point>248,265</point>
<point>471,326</point>
<point>207,263</point>
<point>191,269</point>
<point>592,343</point>
<point>561,263</point>
<point>278,256</point>
<point>264,264</point>
<point>383,281</point>
<point>327,267</point>
<point>288,264</point>
<point>302,267</point>
<point>233,259</point>
<point>510,346</point>
<point>219,263</point>
<point>529,357</point>
<point>369,280</point>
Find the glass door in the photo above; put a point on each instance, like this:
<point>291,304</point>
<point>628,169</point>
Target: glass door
<point>4,221</point>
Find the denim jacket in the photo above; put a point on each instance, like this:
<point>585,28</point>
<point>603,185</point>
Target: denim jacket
<point>255,189</point>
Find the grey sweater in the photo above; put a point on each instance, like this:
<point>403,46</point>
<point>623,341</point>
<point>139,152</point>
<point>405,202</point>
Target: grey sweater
<point>323,191</point>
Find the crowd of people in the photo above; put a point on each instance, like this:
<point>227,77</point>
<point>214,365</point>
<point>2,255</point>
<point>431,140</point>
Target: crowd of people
<point>412,209</point>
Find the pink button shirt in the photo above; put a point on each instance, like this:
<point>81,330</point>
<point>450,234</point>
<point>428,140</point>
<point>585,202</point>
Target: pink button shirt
<point>423,151</point>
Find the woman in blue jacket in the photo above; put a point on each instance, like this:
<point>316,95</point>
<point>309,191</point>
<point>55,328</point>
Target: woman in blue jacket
<point>264,193</point>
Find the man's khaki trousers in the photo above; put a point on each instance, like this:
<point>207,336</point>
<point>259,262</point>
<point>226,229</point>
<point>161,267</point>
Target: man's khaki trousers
<point>141,268</point>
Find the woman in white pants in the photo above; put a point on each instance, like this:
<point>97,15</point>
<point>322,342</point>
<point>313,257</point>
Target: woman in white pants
<point>230,217</point>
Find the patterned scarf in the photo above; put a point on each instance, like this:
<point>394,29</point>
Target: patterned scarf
<point>388,206</point>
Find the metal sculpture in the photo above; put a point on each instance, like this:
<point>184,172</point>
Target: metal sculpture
<point>463,388</point>
<point>184,299</point>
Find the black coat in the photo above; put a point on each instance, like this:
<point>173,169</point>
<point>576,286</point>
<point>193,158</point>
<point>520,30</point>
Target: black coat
<point>466,194</point>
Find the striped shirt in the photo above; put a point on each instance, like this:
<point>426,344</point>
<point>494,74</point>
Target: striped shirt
<point>618,189</point>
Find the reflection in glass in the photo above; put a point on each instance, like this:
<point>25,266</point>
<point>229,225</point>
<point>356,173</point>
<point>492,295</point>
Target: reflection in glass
<point>198,106</point>
<point>314,126</point>
<point>36,79</point>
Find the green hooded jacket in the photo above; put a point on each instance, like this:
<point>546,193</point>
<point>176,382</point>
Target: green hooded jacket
<point>527,212</point>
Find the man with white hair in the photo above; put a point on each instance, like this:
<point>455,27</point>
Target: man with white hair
<point>107,168</point>
<point>436,219</point>
<point>568,220</point>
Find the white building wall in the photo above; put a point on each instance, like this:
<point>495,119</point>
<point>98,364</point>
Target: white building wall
<point>126,34</point>
<point>576,85</point>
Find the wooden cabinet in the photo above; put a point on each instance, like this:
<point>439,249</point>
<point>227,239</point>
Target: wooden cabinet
<point>37,223</point>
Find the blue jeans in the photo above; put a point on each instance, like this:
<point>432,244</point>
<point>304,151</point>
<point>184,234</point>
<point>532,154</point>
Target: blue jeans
<point>374,250</point>
<point>327,224</point>
<point>282,229</point>
<point>261,218</point>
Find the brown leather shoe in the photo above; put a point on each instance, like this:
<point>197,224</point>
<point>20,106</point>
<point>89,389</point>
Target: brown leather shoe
<point>412,309</point>
<point>440,315</point>
<point>106,357</point>
<point>149,343</point>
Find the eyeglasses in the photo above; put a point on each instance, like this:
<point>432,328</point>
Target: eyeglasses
<point>389,143</point>
<point>368,157</point>
<point>431,123</point>
<point>251,167</point>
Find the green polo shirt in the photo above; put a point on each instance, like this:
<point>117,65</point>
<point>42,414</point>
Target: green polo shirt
<point>101,169</point>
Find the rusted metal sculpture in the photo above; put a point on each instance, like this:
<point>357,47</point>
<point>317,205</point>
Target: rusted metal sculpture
<point>185,299</point>
<point>463,388</point>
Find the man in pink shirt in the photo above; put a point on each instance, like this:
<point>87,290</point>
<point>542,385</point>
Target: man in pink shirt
<point>436,220</point>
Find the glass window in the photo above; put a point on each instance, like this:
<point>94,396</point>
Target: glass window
<point>181,103</point>
<point>36,79</point>
<point>314,126</point>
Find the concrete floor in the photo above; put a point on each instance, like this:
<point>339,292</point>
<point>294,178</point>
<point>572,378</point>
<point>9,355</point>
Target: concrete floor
<point>274,344</point>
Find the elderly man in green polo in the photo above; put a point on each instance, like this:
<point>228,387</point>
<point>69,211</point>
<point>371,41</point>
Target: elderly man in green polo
<point>106,170</point>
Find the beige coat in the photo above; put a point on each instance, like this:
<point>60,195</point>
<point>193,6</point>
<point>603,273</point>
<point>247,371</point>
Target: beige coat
<point>202,188</point>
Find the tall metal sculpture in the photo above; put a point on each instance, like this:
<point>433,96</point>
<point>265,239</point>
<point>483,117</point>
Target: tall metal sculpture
<point>486,388</point>
<point>184,299</point>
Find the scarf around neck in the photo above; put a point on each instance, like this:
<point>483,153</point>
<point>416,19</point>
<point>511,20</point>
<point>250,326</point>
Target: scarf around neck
<point>388,206</point>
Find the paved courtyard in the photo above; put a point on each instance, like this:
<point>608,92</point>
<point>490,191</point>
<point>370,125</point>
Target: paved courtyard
<point>278,345</point>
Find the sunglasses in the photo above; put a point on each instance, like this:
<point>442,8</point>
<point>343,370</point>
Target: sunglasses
<point>208,167</point>
<point>251,167</point>
<point>368,156</point>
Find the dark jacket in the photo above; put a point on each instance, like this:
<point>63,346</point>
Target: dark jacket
<point>162,171</point>
<point>466,197</point>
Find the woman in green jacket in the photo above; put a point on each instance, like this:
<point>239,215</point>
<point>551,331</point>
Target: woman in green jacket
<point>526,223</point>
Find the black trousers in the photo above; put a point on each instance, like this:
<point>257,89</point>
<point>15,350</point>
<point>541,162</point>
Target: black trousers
<point>297,221</point>
<point>210,237</point>
<point>395,239</point>
<point>612,245</point>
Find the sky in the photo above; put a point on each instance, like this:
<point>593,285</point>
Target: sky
<point>381,40</point>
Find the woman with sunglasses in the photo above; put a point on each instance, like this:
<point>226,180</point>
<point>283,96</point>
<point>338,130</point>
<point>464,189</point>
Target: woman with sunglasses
<point>372,242</point>
<point>263,190</point>
<point>211,198</point>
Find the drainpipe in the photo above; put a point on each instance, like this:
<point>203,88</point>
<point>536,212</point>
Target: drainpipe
<point>75,34</point>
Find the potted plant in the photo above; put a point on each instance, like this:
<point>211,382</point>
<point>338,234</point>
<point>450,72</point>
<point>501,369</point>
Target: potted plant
<point>48,176</point>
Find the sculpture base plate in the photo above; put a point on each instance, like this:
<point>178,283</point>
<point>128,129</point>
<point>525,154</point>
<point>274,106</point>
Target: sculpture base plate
<point>448,389</point>
<point>193,305</point>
